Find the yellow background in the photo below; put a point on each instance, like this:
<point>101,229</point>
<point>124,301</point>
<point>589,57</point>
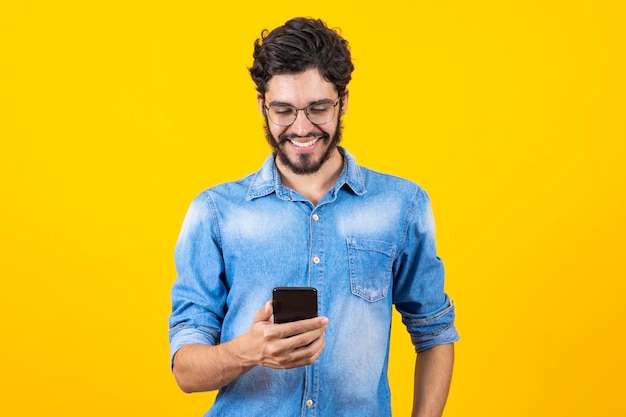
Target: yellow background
<point>115,114</point>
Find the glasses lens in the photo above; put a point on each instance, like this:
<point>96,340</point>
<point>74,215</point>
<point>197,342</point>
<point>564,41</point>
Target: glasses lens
<point>282,115</point>
<point>319,114</point>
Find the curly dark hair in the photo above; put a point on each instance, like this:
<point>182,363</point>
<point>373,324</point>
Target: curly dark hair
<point>301,44</point>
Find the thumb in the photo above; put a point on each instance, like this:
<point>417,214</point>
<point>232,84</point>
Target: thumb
<point>265,312</point>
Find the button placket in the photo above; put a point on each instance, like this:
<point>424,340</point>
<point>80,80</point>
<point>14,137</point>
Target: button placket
<point>316,259</point>
<point>316,224</point>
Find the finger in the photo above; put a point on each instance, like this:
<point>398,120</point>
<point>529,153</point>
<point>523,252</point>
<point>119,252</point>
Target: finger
<point>293,328</point>
<point>264,313</point>
<point>288,346</point>
<point>301,356</point>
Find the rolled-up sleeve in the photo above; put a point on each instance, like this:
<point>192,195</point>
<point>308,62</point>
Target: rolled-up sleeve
<point>427,311</point>
<point>199,293</point>
<point>432,330</point>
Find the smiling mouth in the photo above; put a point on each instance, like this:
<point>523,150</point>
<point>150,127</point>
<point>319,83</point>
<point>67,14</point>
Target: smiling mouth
<point>297,140</point>
<point>305,144</point>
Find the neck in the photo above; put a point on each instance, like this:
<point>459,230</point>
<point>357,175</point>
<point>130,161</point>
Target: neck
<point>313,186</point>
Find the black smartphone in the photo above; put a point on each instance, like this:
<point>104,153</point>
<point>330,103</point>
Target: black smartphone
<point>294,303</point>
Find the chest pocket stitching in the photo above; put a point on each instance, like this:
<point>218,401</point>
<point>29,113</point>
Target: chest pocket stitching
<point>371,262</point>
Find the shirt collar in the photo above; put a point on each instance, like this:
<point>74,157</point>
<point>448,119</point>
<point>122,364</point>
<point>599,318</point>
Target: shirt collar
<point>267,180</point>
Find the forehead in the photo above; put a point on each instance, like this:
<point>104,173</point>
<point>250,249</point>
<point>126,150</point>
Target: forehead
<point>301,88</point>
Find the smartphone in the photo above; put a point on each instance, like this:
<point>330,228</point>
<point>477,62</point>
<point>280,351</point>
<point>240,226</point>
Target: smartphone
<point>294,303</point>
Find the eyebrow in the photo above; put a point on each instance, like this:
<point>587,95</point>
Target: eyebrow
<point>311,103</point>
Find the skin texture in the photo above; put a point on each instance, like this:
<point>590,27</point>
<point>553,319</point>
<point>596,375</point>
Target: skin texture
<point>433,373</point>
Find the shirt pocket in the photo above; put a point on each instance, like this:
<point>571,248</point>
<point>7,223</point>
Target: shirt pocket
<point>371,262</point>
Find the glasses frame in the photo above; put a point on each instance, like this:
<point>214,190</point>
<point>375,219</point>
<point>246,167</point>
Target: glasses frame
<point>305,110</point>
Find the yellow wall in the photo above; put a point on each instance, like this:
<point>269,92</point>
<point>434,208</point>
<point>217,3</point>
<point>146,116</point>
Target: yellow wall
<point>114,115</point>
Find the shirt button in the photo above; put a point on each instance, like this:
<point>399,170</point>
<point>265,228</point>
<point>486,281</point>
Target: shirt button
<point>316,217</point>
<point>316,260</point>
<point>309,403</point>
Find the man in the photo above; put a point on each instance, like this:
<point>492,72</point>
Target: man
<point>309,217</point>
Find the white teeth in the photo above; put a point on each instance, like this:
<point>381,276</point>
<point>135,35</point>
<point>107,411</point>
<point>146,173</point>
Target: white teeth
<point>305,144</point>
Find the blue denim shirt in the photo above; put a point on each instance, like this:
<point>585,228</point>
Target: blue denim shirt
<point>368,244</point>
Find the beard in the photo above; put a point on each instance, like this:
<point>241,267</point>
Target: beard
<point>303,164</point>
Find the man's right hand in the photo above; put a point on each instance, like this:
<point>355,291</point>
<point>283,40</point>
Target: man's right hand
<point>281,346</point>
<point>288,345</point>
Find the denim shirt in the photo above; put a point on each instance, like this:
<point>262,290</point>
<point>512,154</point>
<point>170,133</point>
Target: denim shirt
<point>368,244</point>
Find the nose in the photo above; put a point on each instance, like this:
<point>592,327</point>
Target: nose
<point>302,126</point>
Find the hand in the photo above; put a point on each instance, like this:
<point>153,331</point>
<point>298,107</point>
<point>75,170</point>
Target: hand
<point>282,346</point>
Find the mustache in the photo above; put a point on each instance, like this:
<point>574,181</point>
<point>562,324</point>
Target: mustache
<point>289,136</point>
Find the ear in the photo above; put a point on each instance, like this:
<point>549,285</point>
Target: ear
<point>344,102</point>
<point>261,104</point>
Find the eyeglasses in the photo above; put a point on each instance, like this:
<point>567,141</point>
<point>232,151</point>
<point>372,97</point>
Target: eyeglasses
<point>318,113</point>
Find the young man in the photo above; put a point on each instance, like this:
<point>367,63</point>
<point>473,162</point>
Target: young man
<point>309,217</point>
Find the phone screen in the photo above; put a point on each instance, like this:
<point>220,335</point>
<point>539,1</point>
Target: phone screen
<point>294,303</point>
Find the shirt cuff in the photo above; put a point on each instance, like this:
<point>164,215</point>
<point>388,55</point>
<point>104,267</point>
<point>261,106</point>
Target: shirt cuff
<point>434,329</point>
<point>191,335</point>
